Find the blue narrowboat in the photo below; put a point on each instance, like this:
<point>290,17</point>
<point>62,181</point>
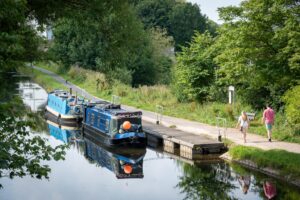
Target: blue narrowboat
<point>64,108</point>
<point>112,125</point>
<point>125,163</point>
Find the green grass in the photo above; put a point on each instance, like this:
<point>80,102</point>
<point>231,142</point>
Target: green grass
<point>44,80</point>
<point>147,97</point>
<point>285,162</point>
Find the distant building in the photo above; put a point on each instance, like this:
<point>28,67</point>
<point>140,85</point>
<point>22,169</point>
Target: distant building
<point>49,33</point>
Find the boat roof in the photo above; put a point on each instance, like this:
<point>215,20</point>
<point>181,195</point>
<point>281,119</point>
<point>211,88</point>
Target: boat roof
<point>61,93</point>
<point>113,109</point>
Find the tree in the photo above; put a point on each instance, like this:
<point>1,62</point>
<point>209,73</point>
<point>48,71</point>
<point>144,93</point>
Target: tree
<point>21,153</point>
<point>259,49</point>
<point>185,19</point>
<point>194,71</point>
<point>112,42</point>
<point>162,54</point>
<point>155,13</point>
<point>179,18</point>
<point>17,37</point>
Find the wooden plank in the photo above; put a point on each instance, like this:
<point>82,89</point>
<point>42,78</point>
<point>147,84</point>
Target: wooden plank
<point>169,146</point>
<point>188,144</point>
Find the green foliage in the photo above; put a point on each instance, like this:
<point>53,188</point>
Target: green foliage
<point>288,163</point>
<point>259,46</point>
<point>18,41</point>
<point>112,42</point>
<point>21,154</point>
<point>185,19</point>
<point>194,71</point>
<point>162,54</point>
<point>292,107</point>
<point>179,18</point>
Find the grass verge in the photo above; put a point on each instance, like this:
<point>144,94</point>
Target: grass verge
<point>44,80</point>
<point>286,163</point>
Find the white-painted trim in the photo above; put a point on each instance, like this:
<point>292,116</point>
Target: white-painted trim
<point>62,116</point>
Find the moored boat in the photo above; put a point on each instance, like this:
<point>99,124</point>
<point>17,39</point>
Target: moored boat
<point>112,125</point>
<point>64,108</point>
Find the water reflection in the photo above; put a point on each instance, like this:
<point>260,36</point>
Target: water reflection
<point>225,181</point>
<point>33,95</point>
<point>125,162</point>
<point>207,181</point>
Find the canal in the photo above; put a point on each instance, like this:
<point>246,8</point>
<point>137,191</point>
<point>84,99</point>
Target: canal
<point>91,171</point>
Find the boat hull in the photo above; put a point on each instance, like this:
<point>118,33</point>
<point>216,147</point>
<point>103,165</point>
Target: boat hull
<point>139,142</point>
<point>71,122</point>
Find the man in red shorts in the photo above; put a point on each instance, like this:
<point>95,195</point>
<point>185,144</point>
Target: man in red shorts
<point>268,119</point>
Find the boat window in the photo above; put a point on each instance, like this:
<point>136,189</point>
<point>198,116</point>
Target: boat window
<point>93,118</point>
<point>113,126</point>
<point>106,124</point>
<point>98,121</point>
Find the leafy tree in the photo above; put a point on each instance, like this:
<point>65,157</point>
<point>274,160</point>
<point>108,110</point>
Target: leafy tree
<point>155,13</point>
<point>259,49</point>
<point>185,19</point>
<point>21,153</point>
<point>194,71</point>
<point>17,38</point>
<point>162,54</point>
<point>113,43</point>
<point>179,18</point>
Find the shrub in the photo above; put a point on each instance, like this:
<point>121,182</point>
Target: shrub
<point>77,73</point>
<point>292,107</point>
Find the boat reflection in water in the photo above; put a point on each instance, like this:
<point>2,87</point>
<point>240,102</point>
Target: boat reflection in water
<point>124,162</point>
<point>65,134</point>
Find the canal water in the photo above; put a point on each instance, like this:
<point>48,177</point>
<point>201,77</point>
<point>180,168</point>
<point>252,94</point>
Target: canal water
<point>91,171</point>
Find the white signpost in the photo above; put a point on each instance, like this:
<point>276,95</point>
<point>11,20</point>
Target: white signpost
<point>231,94</point>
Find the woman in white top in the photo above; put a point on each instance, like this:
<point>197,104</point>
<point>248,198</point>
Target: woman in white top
<point>243,124</point>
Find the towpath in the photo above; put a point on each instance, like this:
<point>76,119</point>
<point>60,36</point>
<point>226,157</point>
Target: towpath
<point>190,126</point>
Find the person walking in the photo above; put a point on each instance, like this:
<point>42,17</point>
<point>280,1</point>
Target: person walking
<point>243,124</point>
<point>268,120</point>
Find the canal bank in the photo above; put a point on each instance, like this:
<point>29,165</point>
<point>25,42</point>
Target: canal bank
<point>195,127</point>
<point>86,174</point>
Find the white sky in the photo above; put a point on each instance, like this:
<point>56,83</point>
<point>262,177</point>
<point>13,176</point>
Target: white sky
<point>209,7</point>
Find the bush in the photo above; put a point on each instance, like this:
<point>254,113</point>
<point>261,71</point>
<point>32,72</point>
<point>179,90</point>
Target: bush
<point>77,73</point>
<point>292,107</point>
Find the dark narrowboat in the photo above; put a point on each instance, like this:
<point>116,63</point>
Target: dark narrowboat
<point>113,125</point>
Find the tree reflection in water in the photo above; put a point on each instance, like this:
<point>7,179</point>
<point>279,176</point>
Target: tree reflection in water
<point>206,181</point>
<point>220,181</point>
<point>22,153</point>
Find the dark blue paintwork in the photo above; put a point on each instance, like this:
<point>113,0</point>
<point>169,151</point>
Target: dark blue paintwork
<point>106,119</point>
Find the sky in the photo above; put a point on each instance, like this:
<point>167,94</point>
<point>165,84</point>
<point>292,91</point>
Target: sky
<point>209,7</point>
